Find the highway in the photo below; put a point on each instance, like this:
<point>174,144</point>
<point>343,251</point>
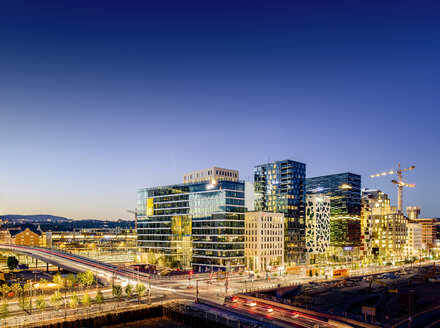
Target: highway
<point>77,263</point>
<point>278,315</point>
<point>123,276</point>
<point>112,273</point>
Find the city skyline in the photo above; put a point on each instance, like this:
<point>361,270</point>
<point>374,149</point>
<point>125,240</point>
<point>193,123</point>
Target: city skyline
<point>98,102</point>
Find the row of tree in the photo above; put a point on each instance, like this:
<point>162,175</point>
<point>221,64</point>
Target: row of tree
<point>129,290</point>
<point>74,301</point>
<point>85,279</point>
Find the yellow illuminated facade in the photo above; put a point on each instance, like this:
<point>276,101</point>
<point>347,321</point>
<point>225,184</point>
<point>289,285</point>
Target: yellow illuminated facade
<point>383,228</point>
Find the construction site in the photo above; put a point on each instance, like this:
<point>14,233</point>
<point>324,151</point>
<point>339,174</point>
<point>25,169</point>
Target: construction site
<point>380,299</point>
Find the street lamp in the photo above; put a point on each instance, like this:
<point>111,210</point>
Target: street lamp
<point>409,308</point>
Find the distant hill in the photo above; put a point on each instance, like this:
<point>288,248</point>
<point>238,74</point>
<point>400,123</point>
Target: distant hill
<point>59,223</point>
<point>34,218</point>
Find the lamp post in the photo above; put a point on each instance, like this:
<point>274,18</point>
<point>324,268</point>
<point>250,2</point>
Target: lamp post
<point>197,291</point>
<point>409,308</point>
<point>149,289</point>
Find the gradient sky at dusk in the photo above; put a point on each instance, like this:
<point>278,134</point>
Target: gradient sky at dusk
<point>98,99</point>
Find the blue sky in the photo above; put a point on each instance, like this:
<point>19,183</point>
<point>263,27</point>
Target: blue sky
<point>98,99</point>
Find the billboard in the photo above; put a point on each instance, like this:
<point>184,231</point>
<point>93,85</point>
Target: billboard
<point>150,206</point>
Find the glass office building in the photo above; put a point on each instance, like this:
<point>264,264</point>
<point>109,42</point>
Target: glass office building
<point>280,188</point>
<point>345,200</point>
<point>193,224</point>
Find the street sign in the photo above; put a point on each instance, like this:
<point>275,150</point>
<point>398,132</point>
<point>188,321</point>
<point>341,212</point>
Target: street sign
<point>368,310</point>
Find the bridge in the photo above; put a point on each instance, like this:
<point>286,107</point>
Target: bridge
<point>77,263</point>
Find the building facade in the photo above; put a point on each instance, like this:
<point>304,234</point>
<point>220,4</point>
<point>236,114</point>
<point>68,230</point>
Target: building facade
<point>5,236</point>
<point>249,196</point>
<point>198,224</point>
<point>429,231</point>
<point>84,239</point>
<point>211,174</point>
<point>412,212</point>
<point>384,229</point>
<point>369,198</point>
<point>264,240</point>
<point>317,224</point>
<point>345,201</point>
<point>27,238</point>
<point>106,244</point>
<point>280,188</point>
<point>413,245</point>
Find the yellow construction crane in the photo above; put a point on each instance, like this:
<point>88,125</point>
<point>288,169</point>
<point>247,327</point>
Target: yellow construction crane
<point>400,184</point>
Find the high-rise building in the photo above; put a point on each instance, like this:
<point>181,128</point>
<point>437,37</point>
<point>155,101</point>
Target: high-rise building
<point>280,188</point>
<point>345,201</point>
<point>412,212</point>
<point>264,240</point>
<point>198,224</point>
<point>317,224</point>
<point>413,245</point>
<point>429,230</point>
<point>384,229</point>
<point>249,196</point>
<point>369,198</point>
<point>211,174</point>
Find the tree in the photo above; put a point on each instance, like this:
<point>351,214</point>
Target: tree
<point>40,303</point>
<point>140,291</point>
<point>316,273</point>
<point>99,298</point>
<point>89,278</point>
<point>56,299</point>
<point>12,263</point>
<point>17,289</point>
<point>129,290</point>
<point>24,303</point>
<point>4,310</point>
<point>5,289</point>
<point>74,301</point>
<point>57,279</point>
<point>71,280</point>
<point>151,258</point>
<point>86,278</point>
<point>86,300</point>
<point>310,273</point>
<point>174,264</point>
<point>27,288</point>
<point>117,291</point>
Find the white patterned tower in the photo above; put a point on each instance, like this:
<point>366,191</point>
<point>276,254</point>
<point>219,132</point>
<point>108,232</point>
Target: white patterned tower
<point>317,223</point>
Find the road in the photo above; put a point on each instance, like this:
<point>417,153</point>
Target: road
<point>278,315</point>
<point>429,318</point>
<point>109,272</point>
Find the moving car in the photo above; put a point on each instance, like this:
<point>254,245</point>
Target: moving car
<point>251,303</point>
<point>231,299</point>
<point>291,314</point>
<point>266,308</point>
